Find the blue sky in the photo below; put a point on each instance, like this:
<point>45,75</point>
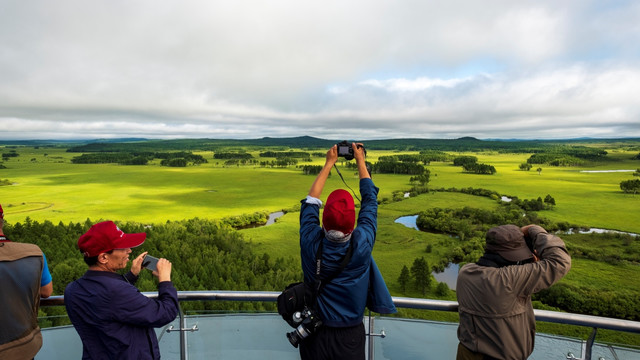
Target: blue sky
<point>333,69</point>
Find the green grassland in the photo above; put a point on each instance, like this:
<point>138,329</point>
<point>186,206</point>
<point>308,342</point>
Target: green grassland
<point>47,186</point>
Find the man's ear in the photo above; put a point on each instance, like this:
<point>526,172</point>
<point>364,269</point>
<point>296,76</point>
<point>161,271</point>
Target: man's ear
<point>102,258</point>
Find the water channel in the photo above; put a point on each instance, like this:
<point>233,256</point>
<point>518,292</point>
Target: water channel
<point>450,274</point>
<point>273,216</point>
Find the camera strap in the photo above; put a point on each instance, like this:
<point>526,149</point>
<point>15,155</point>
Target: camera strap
<point>345,183</point>
<point>319,284</point>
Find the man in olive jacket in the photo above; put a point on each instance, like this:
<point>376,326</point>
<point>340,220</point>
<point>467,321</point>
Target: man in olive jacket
<point>494,294</point>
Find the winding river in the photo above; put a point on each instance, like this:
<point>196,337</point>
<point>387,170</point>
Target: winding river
<point>450,274</point>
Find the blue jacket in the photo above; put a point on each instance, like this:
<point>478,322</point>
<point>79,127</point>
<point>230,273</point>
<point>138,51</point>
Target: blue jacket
<point>360,284</point>
<point>114,320</point>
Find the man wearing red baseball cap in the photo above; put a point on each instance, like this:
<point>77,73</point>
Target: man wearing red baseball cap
<point>114,320</point>
<point>341,303</point>
<point>24,279</point>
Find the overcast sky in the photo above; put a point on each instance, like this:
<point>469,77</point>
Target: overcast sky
<point>352,69</point>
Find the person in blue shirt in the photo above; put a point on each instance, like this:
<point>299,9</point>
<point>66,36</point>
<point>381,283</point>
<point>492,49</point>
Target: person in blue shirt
<point>114,320</point>
<point>24,279</point>
<point>342,301</point>
<point>46,281</point>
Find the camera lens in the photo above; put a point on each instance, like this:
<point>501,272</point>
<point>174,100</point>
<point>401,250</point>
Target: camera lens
<point>297,335</point>
<point>293,338</point>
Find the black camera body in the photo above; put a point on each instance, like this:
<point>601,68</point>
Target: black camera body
<point>346,151</point>
<point>309,323</point>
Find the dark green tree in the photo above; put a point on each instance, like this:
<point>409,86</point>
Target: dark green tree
<point>404,278</point>
<point>525,166</point>
<point>421,275</point>
<point>630,186</point>
<point>549,200</point>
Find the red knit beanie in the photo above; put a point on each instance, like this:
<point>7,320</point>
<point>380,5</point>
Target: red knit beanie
<point>339,212</point>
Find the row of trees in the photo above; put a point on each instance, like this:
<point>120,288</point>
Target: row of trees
<point>7,155</point>
<point>175,159</point>
<point>479,169</point>
<point>311,169</point>
<point>286,154</point>
<point>470,164</point>
<point>232,155</point>
<point>397,167</point>
<point>425,160</point>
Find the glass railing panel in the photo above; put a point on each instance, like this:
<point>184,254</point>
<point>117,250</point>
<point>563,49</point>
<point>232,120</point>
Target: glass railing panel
<point>63,343</point>
<point>239,336</point>
<point>549,347</point>
<point>169,342</point>
<point>60,343</point>
<point>600,351</point>
<point>414,339</point>
<point>263,336</point>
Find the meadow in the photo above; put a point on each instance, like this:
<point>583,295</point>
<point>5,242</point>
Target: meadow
<point>46,186</point>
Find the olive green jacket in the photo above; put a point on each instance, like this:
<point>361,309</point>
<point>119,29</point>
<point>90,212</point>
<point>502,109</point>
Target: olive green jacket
<point>496,315</point>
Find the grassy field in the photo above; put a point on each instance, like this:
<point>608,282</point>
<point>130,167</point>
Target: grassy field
<point>47,186</point>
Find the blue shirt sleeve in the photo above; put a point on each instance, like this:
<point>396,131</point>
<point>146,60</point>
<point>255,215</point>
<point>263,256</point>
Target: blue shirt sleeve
<point>46,275</point>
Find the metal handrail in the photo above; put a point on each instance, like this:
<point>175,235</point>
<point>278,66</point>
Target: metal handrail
<point>594,322</point>
<point>598,322</point>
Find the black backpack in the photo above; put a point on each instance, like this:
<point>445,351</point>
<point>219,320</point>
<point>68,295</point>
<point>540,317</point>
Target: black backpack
<point>296,296</point>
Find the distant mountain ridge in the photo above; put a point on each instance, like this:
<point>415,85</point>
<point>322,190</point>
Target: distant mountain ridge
<point>466,143</point>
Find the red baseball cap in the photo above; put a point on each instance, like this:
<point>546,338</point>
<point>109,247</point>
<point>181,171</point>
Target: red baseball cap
<point>339,212</point>
<point>106,236</point>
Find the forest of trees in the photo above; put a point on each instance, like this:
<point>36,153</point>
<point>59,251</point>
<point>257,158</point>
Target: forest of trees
<point>567,156</point>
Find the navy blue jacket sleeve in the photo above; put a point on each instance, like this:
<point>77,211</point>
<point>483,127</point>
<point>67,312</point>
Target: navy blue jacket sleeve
<point>135,308</point>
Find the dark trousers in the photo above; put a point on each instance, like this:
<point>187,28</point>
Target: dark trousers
<point>333,343</point>
<point>466,354</point>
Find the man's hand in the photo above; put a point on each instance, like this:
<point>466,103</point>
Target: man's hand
<point>136,264</point>
<point>527,238</point>
<point>332,155</point>
<point>360,156</point>
<point>163,271</point>
<point>358,152</point>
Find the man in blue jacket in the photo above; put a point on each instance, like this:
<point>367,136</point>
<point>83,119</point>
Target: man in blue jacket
<point>114,320</point>
<point>342,301</point>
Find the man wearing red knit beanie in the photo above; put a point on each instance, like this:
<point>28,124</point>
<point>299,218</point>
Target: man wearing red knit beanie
<point>341,303</point>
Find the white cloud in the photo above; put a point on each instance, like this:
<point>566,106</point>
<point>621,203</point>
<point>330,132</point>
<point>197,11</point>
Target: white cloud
<point>382,68</point>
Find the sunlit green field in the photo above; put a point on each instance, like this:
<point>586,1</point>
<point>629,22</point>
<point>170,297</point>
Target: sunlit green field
<point>52,188</point>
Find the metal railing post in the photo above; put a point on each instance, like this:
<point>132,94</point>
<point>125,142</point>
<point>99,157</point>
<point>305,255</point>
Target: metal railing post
<point>371,337</point>
<point>589,345</point>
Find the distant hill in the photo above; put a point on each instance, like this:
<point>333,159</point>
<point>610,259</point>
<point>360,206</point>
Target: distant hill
<point>313,143</point>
